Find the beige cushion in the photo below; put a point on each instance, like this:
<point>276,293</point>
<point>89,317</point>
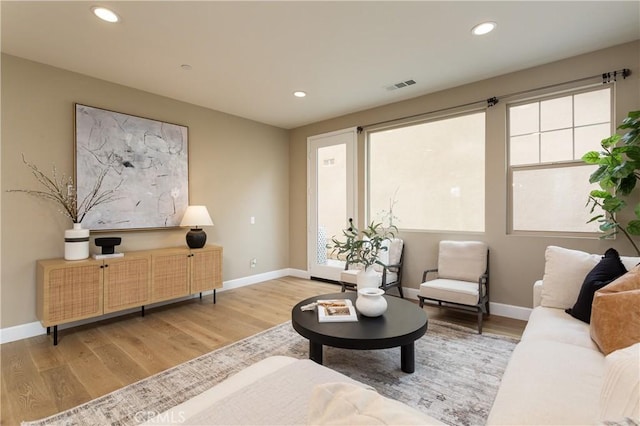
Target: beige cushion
<point>564,273</point>
<point>350,276</point>
<point>462,260</point>
<point>549,383</point>
<point>615,313</point>
<point>620,393</point>
<point>556,325</point>
<point>347,404</point>
<point>455,291</point>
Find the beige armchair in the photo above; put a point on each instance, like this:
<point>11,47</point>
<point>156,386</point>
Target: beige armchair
<point>389,273</point>
<point>462,278</point>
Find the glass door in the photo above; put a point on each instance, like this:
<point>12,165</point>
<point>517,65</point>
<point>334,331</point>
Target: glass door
<point>331,197</point>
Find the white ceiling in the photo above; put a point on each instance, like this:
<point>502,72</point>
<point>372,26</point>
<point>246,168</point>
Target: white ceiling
<point>248,58</point>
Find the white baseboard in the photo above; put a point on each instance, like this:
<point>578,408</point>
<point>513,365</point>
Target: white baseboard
<point>19,332</point>
<point>32,329</point>
<point>510,311</point>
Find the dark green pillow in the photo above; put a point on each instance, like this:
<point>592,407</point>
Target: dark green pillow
<point>607,270</point>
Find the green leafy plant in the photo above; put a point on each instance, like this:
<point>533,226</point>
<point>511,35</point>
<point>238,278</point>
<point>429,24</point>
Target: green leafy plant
<point>362,247</point>
<point>617,174</point>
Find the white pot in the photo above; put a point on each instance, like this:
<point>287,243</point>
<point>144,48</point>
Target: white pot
<point>367,278</point>
<point>76,243</point>
<point>371,302</point>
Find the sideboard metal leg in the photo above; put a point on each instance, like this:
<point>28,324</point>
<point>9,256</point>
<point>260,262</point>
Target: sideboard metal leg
<point>200,295</point>
<point>142,311</point>
<point>214,296</point>
<point>48,331</point>
<point>55,335</point>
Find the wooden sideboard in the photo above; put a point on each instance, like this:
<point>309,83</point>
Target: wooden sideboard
<point>69,291</point>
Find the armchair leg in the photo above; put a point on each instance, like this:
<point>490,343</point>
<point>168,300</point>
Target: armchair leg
<point>480,315</point>
<point>421,301</point>
<point>400,291</point>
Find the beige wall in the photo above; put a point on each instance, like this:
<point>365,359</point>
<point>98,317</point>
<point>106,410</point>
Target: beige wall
<point>237,168</point>
<point>516,261</point>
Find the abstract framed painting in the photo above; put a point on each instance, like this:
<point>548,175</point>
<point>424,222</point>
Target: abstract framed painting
<point>146,162</point>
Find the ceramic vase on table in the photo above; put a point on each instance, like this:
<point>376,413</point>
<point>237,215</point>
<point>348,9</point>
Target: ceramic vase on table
<point>367,278</point>
<point>371,302</point>
<point>76,243</point>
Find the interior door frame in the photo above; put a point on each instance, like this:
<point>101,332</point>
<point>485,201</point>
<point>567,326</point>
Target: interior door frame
<point>315,142</point>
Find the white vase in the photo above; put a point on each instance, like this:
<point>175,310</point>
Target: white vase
<point>367,278</point>
<point>371,302</point>
<point>76,243</point>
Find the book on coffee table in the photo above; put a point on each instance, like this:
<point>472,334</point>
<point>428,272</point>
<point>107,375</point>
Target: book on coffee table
<point>336,310</point>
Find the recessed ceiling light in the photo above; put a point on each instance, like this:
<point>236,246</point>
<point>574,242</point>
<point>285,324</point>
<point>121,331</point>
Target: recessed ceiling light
<point>105,14</point>
<point>484,28</point>
<point>299,94</point>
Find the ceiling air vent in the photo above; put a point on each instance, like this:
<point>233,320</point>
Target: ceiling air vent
<point>401,84</point>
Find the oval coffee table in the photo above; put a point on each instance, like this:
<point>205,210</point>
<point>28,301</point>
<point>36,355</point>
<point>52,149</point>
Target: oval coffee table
<point>401,325</point>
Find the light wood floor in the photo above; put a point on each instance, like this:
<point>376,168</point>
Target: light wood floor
<point>39,379</point>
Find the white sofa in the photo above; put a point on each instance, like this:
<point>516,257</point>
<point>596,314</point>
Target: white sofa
<point>556,374</point>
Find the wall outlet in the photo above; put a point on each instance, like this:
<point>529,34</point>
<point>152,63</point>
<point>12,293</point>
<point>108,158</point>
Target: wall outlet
<point>253,262</point>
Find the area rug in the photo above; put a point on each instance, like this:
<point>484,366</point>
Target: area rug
<point>456,379</point>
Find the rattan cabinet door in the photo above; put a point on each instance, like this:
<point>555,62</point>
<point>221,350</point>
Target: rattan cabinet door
<point>127,282</point>
<point>206,269</point>
<point>68,291</point>
<point>169,274</point>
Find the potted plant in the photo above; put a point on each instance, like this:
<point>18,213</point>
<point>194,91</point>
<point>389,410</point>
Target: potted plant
<point>61,190</point>
<point>618,172</point>
<point>363,248</point>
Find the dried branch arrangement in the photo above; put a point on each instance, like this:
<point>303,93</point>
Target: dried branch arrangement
<point>61,190</point>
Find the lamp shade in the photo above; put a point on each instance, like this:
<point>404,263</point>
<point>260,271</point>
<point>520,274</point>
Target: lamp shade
<point>196,216</point>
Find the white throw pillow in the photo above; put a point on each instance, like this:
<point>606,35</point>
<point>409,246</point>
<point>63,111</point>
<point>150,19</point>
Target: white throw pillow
<point>620,393</point>
<point>348,404</point>
<point>564,273</point>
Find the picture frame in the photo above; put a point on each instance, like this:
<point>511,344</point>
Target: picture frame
<point>148,162</point>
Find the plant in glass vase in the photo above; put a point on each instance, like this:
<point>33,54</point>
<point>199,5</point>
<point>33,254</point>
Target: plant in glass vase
<point>61,191</point>
<point>363,248</point>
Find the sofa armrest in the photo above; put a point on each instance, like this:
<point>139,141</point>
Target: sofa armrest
<point>537,293</point>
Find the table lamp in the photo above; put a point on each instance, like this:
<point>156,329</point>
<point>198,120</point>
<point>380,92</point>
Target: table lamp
<point>196,216</point>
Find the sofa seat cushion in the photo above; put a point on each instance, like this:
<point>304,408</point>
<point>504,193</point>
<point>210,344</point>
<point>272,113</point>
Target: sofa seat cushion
<point>549,383</point>
<point>454,291</point>
<point>350,276</point>
<point>556,325</point>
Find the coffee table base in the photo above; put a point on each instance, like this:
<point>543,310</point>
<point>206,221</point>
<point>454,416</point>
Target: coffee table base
<point>407,356</point>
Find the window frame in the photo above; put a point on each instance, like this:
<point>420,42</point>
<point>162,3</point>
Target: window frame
<point>550,164</point>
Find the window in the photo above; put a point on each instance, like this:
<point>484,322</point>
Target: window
<point>429,175</point>
<point>548,180</point>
